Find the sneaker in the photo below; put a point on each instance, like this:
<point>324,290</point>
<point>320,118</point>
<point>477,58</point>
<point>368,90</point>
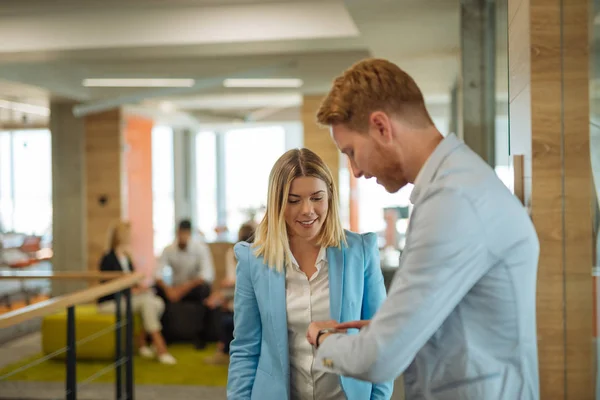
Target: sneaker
<point>146,352</point>
<point>219,358</point>
<point>166,358</point>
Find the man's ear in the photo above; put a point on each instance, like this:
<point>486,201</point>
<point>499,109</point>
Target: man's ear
<point>380,127</point>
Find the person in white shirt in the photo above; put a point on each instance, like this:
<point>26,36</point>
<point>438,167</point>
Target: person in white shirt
<point>193,272</point>
<point>460,318</point>
<point>143,300</point>
<point>302,267</point>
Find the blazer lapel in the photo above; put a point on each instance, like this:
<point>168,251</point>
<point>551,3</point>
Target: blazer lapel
<point>335,261</point>
<point>277,305</point>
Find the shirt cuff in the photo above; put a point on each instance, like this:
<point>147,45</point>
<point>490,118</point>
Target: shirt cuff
<point>327,358</point>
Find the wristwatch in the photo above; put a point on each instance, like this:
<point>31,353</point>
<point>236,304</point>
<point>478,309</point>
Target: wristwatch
<point>322,332</point>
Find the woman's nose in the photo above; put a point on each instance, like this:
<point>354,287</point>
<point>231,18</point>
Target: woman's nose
<point>307,207</point>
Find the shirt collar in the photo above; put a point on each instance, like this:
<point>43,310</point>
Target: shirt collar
<point>321,258</point>
<point>429,169</point>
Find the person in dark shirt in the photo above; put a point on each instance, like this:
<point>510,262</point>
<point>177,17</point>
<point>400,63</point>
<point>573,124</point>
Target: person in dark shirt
<point>143,300</point>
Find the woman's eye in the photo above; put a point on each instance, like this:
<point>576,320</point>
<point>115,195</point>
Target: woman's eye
<point>317,198</point>
<point>293,201</point>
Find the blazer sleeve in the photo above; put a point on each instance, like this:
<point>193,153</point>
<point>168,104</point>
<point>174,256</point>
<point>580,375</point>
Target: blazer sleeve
<point>245,347</point>
<point>373,299</point>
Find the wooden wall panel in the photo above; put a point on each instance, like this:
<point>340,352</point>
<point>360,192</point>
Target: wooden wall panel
<point>549,108</point>
<point>104,186</point>
<point>546,200</point>
<point>578,199</point>
<point>318,139</point>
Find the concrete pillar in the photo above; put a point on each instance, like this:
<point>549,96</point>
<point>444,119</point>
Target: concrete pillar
<point>318,139</point>
<point>453,121</point>
<point>68,195</point>
<point>549,125</point>
<point>478,47</point>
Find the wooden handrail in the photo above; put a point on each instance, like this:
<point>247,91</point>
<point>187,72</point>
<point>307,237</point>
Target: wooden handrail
<point>61,302</point>
<point>88,275</point>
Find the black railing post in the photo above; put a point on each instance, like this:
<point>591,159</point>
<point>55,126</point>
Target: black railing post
<point>71,355</point>
<point>118,347</point>
<point>128,346</point>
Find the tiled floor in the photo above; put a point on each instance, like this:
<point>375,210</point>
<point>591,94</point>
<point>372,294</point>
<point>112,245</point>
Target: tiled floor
<point>30,345</point>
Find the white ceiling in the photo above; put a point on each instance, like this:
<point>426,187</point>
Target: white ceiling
<point>53,46</point>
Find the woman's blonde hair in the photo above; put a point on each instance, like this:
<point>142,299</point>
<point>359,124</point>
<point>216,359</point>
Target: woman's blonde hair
<point>271,237</point>
<point>117,233</point>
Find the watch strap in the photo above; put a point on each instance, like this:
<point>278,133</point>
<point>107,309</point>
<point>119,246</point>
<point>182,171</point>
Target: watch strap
<point>322,332</point>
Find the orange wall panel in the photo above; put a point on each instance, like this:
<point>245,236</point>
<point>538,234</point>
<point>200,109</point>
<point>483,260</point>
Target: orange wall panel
<point>138,173</point>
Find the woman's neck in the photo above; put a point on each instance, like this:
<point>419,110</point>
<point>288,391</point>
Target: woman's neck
<point>120,251</point>
<point>302,246</point>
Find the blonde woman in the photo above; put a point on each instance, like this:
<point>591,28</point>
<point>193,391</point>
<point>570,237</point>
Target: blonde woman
<point>144,301</point>
<point>302,267</point>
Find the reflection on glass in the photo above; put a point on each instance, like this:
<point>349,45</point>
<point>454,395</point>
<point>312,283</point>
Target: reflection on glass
<point>503,156</point>
<point>594,77</point>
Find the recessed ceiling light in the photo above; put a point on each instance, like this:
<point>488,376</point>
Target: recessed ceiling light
<point>25,108</point>
<point>263,83</point>
<point>142,82</point>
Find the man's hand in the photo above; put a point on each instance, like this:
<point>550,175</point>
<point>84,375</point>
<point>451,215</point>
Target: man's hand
<point>173,294</point>
<point>315,327</point>
<point>353,324</point>
<point>139,289</point>
<point>214,300</point>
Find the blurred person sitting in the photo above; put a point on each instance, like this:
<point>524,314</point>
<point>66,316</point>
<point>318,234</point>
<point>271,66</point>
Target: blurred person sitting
<point>143,300</point>
<point>193,272</point>
<point>221,300</point>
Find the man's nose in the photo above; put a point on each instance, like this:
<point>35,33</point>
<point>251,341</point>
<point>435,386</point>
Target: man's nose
<point>357,172</point>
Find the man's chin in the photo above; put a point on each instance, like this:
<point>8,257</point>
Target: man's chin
<point>392,187</point>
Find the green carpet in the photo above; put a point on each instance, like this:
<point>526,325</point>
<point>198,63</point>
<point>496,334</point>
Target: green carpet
<point>189,370</point>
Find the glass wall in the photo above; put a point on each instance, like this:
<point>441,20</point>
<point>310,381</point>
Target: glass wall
<point>249,156</point>
<point>206,184</point>
<point>163,192</point>
<point>26,182</point>
<point>232,177</point>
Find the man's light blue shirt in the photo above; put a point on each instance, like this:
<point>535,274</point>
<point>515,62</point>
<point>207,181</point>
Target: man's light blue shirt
<point>459,320</point>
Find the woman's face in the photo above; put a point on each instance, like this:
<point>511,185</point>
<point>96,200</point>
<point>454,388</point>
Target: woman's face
<point>307,207</point>
<point>125,236</point>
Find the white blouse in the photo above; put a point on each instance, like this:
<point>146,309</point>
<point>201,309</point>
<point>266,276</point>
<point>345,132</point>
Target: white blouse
<point>307,301</point>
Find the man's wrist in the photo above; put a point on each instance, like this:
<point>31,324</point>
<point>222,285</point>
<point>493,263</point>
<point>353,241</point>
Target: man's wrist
<point>323,333</point>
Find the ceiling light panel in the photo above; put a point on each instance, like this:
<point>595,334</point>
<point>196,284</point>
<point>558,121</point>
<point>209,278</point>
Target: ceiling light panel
<point>141,82</point>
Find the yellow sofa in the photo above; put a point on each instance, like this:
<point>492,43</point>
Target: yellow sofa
<point>88,322</point>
